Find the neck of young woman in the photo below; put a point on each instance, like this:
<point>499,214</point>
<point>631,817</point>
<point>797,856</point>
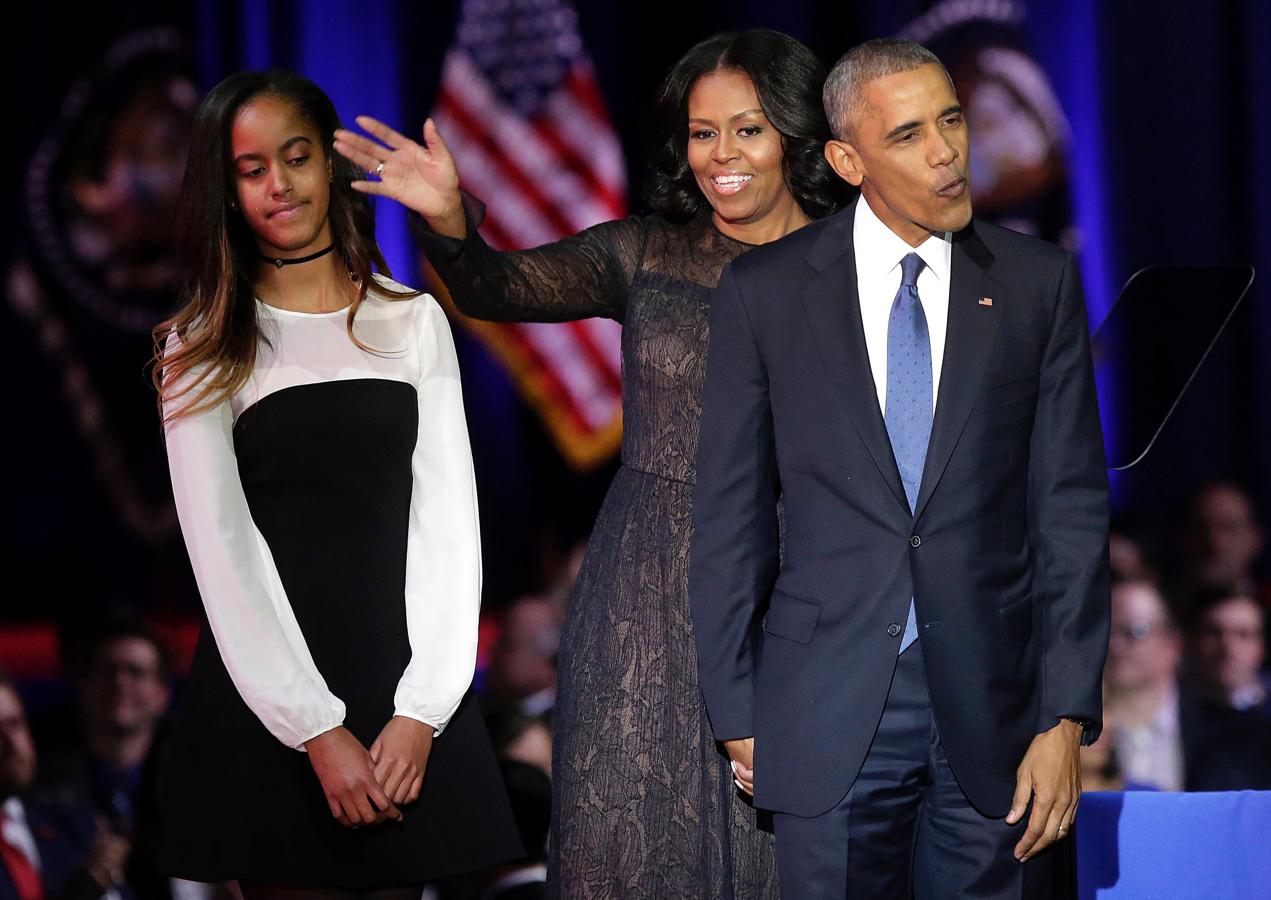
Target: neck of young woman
<point>774,225</point>
<point>318,286</point>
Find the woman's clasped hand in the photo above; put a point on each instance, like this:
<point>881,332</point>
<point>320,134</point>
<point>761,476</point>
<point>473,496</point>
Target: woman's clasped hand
<point>366,787</point>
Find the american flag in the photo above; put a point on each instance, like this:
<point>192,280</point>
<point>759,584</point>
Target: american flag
<point>522,114</point>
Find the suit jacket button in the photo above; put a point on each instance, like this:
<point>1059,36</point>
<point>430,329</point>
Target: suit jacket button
<point>893,629</point>
<point>915,541</point>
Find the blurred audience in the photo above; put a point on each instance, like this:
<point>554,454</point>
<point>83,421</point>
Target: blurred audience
<point>1229,732</point>
<point>1099,768</point>
<point>561,587</point>
<point>1221,542</point>
<point>1127,558</point>
<point>530,791</point>
<point>522,671</point>
<point>122,687</point>
<point>48,850</point>
<point>1227,650</point>
<point>1141,690</point>
<point>521,738</point>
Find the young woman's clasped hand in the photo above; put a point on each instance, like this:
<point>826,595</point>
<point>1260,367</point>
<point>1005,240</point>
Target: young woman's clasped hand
<point>366,787</point>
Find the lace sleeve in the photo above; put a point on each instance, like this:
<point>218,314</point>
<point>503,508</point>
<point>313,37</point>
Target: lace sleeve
<point>579,277</point>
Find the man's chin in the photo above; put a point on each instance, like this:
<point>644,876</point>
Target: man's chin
<point>958,219</point>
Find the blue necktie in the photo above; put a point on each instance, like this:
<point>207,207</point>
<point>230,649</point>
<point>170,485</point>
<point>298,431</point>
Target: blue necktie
<point>908,412</point>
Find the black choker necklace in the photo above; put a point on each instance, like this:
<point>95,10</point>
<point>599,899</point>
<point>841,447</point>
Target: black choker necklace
<point>280,262</point>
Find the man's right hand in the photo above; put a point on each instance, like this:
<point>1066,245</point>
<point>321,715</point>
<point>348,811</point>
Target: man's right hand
<point>742,752</point>
<point>347,774</point>
<point>108,857</point>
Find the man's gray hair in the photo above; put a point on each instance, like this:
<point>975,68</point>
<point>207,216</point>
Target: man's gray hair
<point>843,94</point>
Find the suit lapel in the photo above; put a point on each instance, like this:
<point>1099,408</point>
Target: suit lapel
<point>832,306</point>
<point>968,345</point>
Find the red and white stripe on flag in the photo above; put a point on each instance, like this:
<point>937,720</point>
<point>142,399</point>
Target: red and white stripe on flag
<point>546,162</point>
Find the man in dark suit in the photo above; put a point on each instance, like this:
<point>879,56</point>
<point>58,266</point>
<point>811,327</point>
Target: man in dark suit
<point>917,388</point>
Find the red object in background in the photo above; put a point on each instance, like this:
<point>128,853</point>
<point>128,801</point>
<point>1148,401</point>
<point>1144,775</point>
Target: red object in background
<point>521,111</point>
<point>22,872</point>
<point>29,650</point>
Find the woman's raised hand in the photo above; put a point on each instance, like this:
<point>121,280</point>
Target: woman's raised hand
<point>421,177</point>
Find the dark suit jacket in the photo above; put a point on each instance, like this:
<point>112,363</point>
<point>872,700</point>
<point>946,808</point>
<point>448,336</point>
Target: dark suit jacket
<point>63,839</point>
<point>1006,556</point>
<point>1225,749</point>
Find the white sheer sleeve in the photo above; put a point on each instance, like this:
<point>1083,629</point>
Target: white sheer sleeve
<point>443,557</point>
<point>254,625</point>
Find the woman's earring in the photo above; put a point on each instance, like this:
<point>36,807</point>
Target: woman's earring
<point>233,204</point>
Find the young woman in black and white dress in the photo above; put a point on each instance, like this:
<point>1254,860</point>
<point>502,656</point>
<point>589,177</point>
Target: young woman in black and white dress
<point>322,474</point>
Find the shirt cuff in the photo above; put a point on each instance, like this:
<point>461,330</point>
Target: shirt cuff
<point>406,714</point>
<point>318,731</point>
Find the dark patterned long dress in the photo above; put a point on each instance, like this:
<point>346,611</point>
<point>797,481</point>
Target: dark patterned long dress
<point>643,798</point>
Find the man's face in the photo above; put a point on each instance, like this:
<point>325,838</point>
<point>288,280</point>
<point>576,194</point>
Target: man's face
<point>17,750</point>
<point>1143,648</point>
<point>1226,534</point>
<point>1228,644</point>
<point>911,154</point>
<point>524,661</point>
<point>124,689</point>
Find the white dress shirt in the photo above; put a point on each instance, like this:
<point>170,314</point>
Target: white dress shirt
<point>1151,755</point>
<point>16,831</point>
<point>256,630</point>
<point>879,251</point>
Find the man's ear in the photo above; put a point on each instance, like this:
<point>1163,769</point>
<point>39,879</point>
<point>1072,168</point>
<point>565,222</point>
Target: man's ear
<point>845,162</point>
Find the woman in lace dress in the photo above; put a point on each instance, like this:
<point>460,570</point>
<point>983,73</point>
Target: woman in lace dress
<point>644,799</point>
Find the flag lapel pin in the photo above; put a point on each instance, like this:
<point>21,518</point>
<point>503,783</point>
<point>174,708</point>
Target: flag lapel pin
<point>986,301</point>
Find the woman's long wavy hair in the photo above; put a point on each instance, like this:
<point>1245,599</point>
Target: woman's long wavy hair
<point>788,79</point>
<point>217,325</point>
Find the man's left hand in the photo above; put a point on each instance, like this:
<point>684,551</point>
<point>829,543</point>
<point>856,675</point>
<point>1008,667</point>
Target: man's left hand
<point>1049,776</point>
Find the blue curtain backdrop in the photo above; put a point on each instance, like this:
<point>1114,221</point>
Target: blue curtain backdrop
<point>1167,104</point>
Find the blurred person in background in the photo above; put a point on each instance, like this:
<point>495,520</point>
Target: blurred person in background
<point>1229,745</point>
<point>48,850</point>
<point>121,675</point>
<point>1141,690</point>
<point>1227,650</point>
<point>1099,768</point>
<point>521,738</point>
<point>1222,541</point>
<point>522,671</point>
<point>1127,558</point>
<point>562,585</point>
<point>530,792</point>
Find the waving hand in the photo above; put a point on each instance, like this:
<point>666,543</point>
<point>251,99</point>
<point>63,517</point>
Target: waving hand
<point>422,177</point>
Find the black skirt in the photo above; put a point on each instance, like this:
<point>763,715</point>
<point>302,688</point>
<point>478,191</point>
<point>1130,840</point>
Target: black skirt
<point>326,471</point>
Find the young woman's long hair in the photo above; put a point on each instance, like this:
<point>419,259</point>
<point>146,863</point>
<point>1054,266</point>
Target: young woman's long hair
<point>788,79</point>
<point>217,326</point>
